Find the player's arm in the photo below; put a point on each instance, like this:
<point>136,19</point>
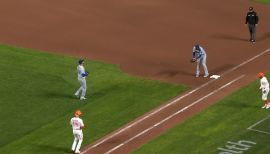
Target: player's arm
<point>82,124</point>
<point>193,54</point>
<point>256,19</point>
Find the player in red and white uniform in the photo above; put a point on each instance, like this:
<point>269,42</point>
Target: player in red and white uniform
<point>77,126</point>
<point>265,89</point>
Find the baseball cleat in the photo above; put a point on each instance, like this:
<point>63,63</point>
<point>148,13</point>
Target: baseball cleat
<point>77,152</point>
<point>77,95</point>
<point>82,98</point>
<point>264,106</point>
<point>268,106</point>
<point>206,75</point>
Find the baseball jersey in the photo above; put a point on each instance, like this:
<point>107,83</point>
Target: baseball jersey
<point>81,71</point>
<point>76,123</point>
<point>264,83</point>
<point>197,54</point>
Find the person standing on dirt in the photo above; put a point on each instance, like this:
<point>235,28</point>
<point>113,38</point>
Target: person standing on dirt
<point>252,20</point>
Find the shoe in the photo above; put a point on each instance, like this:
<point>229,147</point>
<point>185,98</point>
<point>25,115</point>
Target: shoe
<point>197,75</point>
<point>268,106</point>
<point>264,106</point>
<point>77,95</point>
<point>82,98</point>
<point>206,75</point>
<point>77,152</point>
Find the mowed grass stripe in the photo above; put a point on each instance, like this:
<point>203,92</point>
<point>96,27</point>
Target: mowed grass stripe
<point>37,100</point>
<point>210,129</point>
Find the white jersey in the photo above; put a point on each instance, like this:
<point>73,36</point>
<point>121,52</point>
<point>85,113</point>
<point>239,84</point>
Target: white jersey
<point>197,54</point>
<point>81,71</point>
<point>264,84</point>
<point>76,123</point>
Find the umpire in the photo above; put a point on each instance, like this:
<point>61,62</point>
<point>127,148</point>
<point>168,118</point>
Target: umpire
<point>252,21</point>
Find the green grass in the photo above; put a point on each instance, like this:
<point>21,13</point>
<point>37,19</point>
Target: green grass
<point>224,121</point>
<point>263,1</point>
<point>36,100</point>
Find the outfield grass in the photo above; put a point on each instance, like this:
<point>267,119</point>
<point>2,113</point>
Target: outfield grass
<point>37,102</point>
<point>263,1</point>
<point>224,121</point>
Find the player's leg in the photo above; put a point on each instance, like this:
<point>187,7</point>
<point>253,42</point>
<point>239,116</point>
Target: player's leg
<point>76,139</point>
<point>250,31</point>
<point>80,89</point>
<point>198,68</point>
<point>84,87</point>
<point>264,98</point>
<point>204,66</point>
<point>254,33</point>
<point>80,137</point>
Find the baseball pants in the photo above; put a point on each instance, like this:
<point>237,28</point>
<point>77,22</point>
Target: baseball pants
<point>78,138</point>
<point>265,94</point>
<point>202,61</point>
<point>82,88</point>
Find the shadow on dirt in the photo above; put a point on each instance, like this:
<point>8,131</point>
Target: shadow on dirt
<point>172,73</point>
<point>229,37</point>
<point>264,36</point>
<point>221,69</point>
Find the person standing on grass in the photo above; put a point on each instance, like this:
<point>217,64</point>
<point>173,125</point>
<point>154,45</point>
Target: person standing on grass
<point>77,126</point>
<point>265,89</point>
<point>82,74</point>
<point>252,20</point>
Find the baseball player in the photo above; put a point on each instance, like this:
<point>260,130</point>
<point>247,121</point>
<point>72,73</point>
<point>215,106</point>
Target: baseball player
<point>265,89</point>
<point>77,126</point>
<point>252,20</point>
<point>199,55</point>
<point>81,78</point>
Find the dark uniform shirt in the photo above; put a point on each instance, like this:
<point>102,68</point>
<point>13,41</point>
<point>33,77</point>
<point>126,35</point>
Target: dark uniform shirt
<point>252,18</point>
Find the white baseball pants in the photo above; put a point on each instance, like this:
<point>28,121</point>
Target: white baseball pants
<point>82,89</point>
<point>78,138</point>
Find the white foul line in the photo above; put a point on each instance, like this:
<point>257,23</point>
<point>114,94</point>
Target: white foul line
<point>257,123</point>
<point>147,116</point>
<point>174,114</point>
<point>173,102</point>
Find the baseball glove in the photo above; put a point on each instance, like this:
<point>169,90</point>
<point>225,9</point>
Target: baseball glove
<point>192,60</point>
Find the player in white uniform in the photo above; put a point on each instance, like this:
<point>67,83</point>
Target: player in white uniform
<point>77,126</point>
<point>199,55</point>
<point>81,78</point>
<point>265,89</point>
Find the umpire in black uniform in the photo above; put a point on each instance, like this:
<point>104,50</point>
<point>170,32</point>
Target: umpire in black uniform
<point>252,21</point>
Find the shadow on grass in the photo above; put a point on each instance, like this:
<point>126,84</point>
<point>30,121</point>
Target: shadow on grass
<point>58,95</point>
<point>53,149</point>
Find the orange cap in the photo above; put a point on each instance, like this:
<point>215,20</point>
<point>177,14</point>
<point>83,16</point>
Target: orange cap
<point>78,113</point>
<point>260,75</point>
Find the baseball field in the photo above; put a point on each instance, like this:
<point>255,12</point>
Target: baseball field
<point>142,93</point>
<point>37,100</point>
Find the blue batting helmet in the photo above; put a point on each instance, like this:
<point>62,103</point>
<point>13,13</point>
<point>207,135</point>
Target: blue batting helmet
<point>197,46</point>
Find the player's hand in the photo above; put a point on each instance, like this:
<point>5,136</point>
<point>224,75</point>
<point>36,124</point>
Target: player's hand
<point>192,60</point>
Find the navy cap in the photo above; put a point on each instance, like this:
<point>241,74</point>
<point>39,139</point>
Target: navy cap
<point>81,61</point>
